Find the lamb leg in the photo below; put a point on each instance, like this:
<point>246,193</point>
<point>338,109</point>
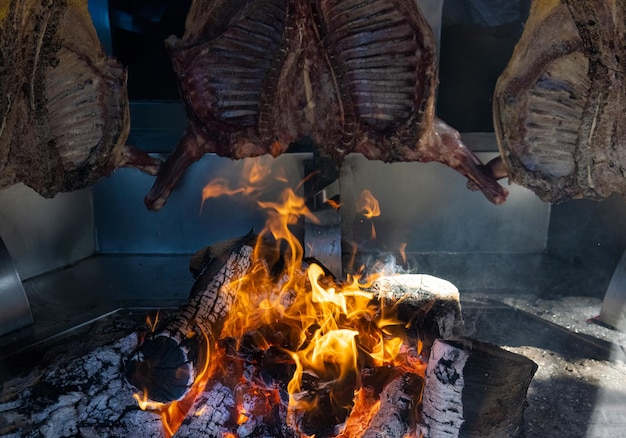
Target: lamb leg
<point>189,151</point>
<point>450,150</point>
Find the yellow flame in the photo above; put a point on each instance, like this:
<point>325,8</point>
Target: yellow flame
<point>368,205</point>
<point>402,251</point>
<point>152,324</point>
<point>330,356</point>
<point>332,324</point>
<point>280,215</point>
<point>256,172</point>
<point>242,415</point>
<point>252,182</point>
<point>172,414</point>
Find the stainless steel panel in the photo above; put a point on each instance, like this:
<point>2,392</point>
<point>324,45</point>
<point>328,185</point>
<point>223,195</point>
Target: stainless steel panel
<point>425,205</point>
<point>428,207</point>
<point>184,225</point>
<point>156,126</point>
<point>45,234</point>
<point>14,307</point>
<point>614,305</point>
<point>322,238</point>
<point>65,298</point>
<point>589,234</point>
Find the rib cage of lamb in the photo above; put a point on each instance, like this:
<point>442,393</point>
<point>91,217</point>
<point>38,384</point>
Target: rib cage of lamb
<point>354,76</point>
<point>64,114</point>
<point>559,106</point>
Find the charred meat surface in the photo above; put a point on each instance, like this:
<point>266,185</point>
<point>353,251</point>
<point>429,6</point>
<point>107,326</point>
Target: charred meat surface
<point>354,76</point>
<point>559,105</point>
<point>64,114</point>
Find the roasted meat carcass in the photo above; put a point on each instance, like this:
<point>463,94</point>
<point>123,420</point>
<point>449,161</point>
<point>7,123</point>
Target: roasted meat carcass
<point>560,105</point>
<point>63,105</point>
<point>353,75</point>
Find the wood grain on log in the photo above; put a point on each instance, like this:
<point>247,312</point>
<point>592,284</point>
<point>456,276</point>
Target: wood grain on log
<point>474,389</point>
<point>168,361</point>
<point>77,393</point>
<point>429,306</point>
<point>213,411</point>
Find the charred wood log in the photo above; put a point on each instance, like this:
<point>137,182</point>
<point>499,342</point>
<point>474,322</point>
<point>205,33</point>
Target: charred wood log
<point>64,115</point>
<point>391,413</point>
<point>429,306</point>
<point>214,413</point>
<point>328,404</point>
<point>169,360</point>
<point>474,389</point>
<point>355,77</point>
<point>559,105</point>
<point>397,413</point>
<point>78,390</point>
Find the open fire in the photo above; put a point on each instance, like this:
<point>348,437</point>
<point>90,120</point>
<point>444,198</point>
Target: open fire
<point>271,344</point>
<point>290,337</point>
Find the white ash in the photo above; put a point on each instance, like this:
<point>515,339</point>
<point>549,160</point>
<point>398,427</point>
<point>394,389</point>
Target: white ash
<point>85,395</point>
<point>210,413</point>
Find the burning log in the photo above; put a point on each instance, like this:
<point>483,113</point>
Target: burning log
<point>213,411</point>
<point>293,346</point>
<point>281,379</point>
<point>428,306</point>
<point>170,358</point>
<point>398,407</point>
<point>64,113</point>
<point>406,307</point>
<point>474,389</point>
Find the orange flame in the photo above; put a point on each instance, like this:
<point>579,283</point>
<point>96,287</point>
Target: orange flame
<point>367,205</point>
<point>173,414</point>
<point>152,323</point>
<point>402,251</point>
<point>252,182</point>
<point>325,317</point>
<point>334,204</point>
<point>242,415</point>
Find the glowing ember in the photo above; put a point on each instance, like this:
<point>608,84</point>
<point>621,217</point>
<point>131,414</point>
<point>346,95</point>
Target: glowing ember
<point>329,330</point>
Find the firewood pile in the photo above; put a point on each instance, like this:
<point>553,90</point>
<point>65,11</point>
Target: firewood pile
<point>397,366</point>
